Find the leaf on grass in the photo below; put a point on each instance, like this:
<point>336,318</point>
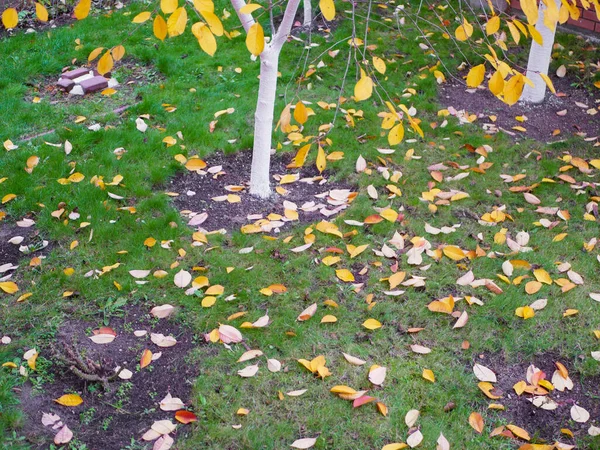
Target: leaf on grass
<point>304,443</point>
<point>476,422</point>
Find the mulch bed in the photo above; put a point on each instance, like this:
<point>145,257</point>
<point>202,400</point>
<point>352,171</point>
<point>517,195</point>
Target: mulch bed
<point>544,424</point>
<point>542,119</point>
<point>236,168</point>
<point>111,420</point>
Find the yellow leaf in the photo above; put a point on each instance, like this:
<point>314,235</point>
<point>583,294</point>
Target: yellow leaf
<point>118,52</point>
<point>396,134</point>
<point>548,82</point>
<point>41,12</point>
<point>542,276</point>
<point>526,312</point>
<point>363,89</point>
<point>344,275</point>
<point>492,25</point>
<point>454,253</point>
<point>159,27</point>
<point>300,113</point>
<point>76,177</point>
<point>249,8</point>
<point>514,31</point>
<point>168,6</point>
<point>535,35</point>
<point>329,318</point>
<point>476,421</point>
<point>328,9</point>
<point>464,31</point>
<point>217,289</point>
<point>214,23</point>
<point>321,160</point>
<point>379,65</point>
<point>255,40</point>
<point>429,375</point>
<point>24,297</point>
<point>142,17</point>
<point>92,56</point>
<point>82,9</point>
<point>301,155</point>
<point>105,64</point>
<point>496,83</point>
<point>519,432</point>
<point>371,324</point>
<point>559,237</point>
<point>69,400</point>
<point>530,8</point>
<point>8,197</point>
<point>206,39</point>
<point>395,446</point>
<point>513,89</point>
<point>9,287</point>
<point>176,22</point>
<point>207,302</point>
<point>475,76</point>
<point>389,215</point>
<point>10,18</point>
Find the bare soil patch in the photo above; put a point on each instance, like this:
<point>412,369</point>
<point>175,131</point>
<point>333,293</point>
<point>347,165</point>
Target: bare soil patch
<point>542,119</point>
<point>33,243</point>
<point>111,420</point>
<point>197,192</point>
<point>544,425</point>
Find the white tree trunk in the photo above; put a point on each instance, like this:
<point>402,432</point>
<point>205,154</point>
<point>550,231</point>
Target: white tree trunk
<point>263,123</point>
<point>539,59</point>
<point>265,106</point>
<point>307,13</point>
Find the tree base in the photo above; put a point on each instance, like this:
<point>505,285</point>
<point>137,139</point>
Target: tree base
<point>261,191</point>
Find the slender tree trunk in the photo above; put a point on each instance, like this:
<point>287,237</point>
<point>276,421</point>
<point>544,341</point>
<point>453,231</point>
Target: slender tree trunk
<point>263,123</point>
<point>307,13</point>
<point>539,58</point>
<point>265,106</point>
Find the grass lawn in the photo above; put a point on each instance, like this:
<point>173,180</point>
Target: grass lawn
<point>177,74</point>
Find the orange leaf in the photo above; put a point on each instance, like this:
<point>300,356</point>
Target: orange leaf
<point>185,417</point>
<point>476,421</point>
<point>146,358</point>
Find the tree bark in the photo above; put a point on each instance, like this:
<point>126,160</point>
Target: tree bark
<point>539,58</point>
<point>307,13</point>
<point>265,106</point>
<point>263,123</point>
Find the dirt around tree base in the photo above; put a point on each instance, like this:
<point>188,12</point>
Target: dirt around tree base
<point>542,120</point>
<point>203,192</point>
<point>110,420</point>
<point>541,424</point>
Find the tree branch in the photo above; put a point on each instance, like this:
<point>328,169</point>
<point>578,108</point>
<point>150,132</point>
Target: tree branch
<point>246,19</point>
<point>286,25</point>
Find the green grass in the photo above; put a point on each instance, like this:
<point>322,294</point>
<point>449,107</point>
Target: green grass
<point>493,329</point>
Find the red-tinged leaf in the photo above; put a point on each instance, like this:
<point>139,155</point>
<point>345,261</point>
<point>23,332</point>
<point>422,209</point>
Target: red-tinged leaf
<point>362,401</point>
<point>373,219</point>
<point>185,417</point>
